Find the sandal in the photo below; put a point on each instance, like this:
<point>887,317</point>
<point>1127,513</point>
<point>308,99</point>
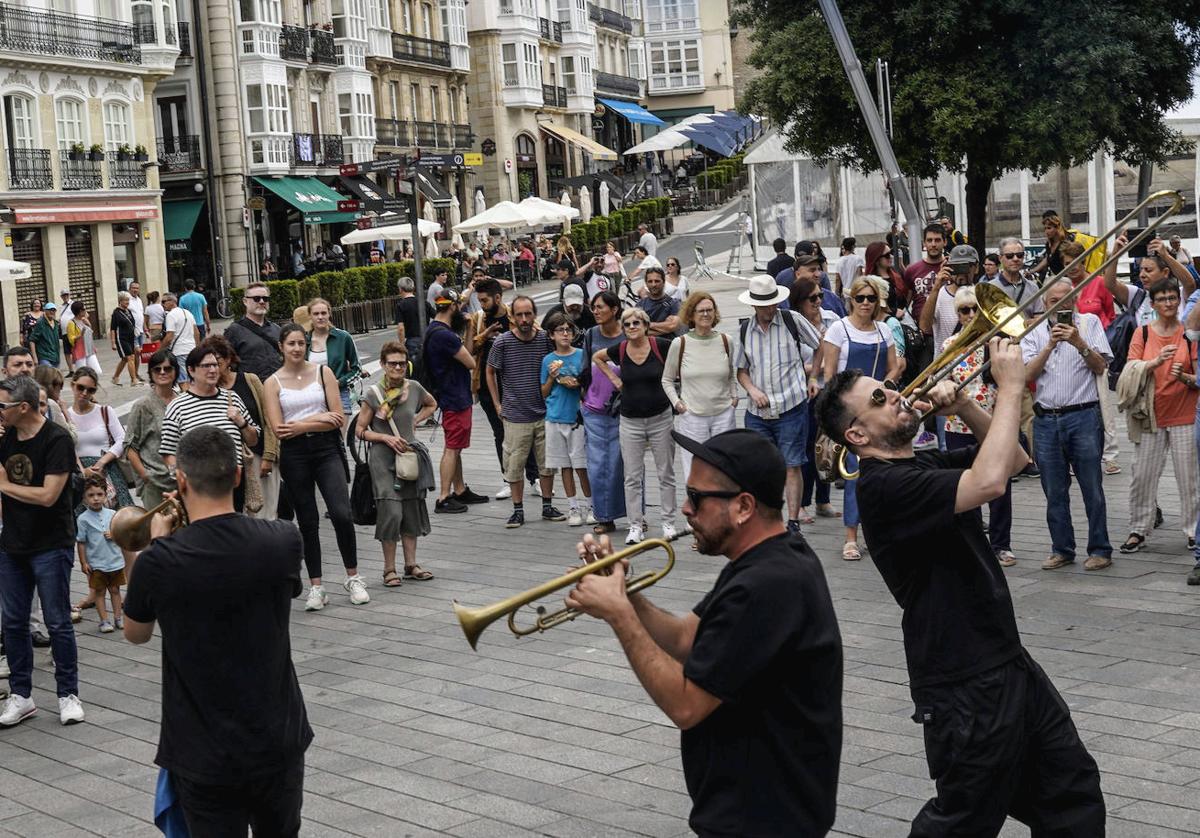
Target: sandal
<point>827,511</point>
<point>804,517</point>
<point>1134,543</point>
<point>391,579</point>
<point>850,551</point>
<point>417,573</point>
<point>604,528</point>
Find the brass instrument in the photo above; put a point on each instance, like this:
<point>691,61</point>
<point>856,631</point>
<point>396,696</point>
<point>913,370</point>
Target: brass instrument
<point>130,525</point>
<point>475,620</point>
<point>997,314</point>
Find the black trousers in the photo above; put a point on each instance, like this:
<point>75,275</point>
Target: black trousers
<point>270,805</point>
<point>314,462</point>
<point>489,410</point>
<point>1002,743</point>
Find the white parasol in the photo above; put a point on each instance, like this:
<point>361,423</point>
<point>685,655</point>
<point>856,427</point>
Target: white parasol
<point>585,204</point>
<point>604,198</point>
<point>455,218</point>
<point>565,200</point>
<point>391,232</point>
<point>503,216</point>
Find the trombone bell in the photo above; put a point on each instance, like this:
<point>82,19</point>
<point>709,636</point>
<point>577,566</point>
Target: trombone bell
<point>130,526</point>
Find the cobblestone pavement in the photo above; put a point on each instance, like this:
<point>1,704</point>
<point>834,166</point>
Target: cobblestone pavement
<point>416,734</point>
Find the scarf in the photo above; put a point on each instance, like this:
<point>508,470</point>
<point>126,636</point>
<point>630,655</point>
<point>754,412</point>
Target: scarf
<point>392,399</point>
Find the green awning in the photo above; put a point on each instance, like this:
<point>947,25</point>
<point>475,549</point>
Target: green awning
<point>179,218</point>
<point>316,201</point>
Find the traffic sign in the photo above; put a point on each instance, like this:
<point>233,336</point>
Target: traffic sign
<point>472,158</point>
<point>388,164</point>
<point>348,206</point>
<point>348,169</point>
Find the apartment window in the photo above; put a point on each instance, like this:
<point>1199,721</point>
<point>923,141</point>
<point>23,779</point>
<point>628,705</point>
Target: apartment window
<point>267,107</point>
<point>414,102</point>
<point>259,11</point>
<point>377,11</point>
<point>143,15</point>
<point>585,76</point>
<point>435,112</point>
<point>18,113</point>
<point>68,122</point>
<point>454,22</point>
<point>533,64</point>
<point>426,21</point>
<point>350,19</point>
<point>675,64</point>
<point>394,98</point>
<point>508,58</point>
<point>116,125</point>
<point>637,62</point>
<point>568,74</point>
<point>671,15</point>
<point>406,15</point>
<point>454,104</point>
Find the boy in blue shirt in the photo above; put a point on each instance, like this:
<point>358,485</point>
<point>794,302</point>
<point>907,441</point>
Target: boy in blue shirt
<point>564,429</point>
<point>99,558</point>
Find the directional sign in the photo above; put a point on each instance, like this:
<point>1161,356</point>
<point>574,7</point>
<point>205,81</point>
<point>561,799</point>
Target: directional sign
<point>388,204</point>
<point>348,206</point>
<point>348,169</point>
<point>404,187</point>
<point>472,158</point>
<point>389,164</point>
<point>443,160</point>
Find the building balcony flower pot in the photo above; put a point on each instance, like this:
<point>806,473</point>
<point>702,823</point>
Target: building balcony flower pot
<point>124,152</point>
<point>95,153</point>
<point>75,152</point>
<point>140,154</point>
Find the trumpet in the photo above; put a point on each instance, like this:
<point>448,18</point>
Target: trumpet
<point>130,526</point>
<point>999,316</point>
<point>475,620</point>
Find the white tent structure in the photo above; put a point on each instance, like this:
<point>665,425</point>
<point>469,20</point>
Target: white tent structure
<point>392,232</point>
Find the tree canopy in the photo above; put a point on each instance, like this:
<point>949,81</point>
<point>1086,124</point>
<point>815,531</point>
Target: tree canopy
<point>981,86</point>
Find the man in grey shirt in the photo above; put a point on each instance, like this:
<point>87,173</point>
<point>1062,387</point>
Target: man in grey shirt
<point>1013,279</point>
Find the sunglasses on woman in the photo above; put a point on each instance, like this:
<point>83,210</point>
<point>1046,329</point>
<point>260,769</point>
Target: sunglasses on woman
<point>967,309</point>
<point>629,324</point>
<point>80,388</point>
<point>815,298</point>
<point>866,298</point>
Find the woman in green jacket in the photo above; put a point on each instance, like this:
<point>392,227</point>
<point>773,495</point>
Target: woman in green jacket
<point>332,347</point>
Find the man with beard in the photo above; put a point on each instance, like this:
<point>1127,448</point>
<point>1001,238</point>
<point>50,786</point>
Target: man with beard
<point>753,675</point>
<point>999,739</point>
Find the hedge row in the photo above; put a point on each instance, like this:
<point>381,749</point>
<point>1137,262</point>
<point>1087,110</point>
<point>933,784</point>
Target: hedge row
<point>720,174</point>
<point>353,285</point>
<point>600,229</point>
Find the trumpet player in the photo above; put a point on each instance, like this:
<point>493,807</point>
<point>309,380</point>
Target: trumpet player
<point>999,739</point>
<point>221,590</point>
<point>752,676</point>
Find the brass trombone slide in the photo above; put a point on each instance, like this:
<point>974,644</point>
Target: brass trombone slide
<point>475,620</point>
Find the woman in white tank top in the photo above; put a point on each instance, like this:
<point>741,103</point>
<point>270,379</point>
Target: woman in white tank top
<point>304,408</point>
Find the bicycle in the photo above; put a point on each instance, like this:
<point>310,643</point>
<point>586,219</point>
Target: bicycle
<point>224,306</point>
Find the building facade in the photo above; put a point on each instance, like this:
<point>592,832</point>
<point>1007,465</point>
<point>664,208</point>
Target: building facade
<point>79,190</point>
<point>689,57</point>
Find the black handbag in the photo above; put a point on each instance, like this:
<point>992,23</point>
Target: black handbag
<point>362,490</point>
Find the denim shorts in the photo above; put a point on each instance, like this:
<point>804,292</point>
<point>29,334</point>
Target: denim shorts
<point>789,433</point>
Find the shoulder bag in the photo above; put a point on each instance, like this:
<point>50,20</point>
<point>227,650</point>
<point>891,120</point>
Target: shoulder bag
<point>363,510</point>
<point>408,467</point>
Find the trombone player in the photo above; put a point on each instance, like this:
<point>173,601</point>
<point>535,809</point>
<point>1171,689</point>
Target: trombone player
<point>752,676</point>
<point>999,739</point>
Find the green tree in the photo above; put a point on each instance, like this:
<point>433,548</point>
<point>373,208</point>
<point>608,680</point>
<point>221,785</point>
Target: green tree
<point>979,86</point>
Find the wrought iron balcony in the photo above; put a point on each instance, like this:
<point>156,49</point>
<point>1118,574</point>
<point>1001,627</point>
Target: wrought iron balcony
<point>392,132</point>
<point>464,137</point>
<point>557,31</point>
<point>179,154</point>
<point>124,172</point>
<point>544,28</point>
<point>554,97</point>
<point>79,171</point>
<point>316,150</point>
<point>293,43</point>
<point>612,83</point>
<point>425,134</point>
<point>29,168</point>
<point>74,36</point>
<point>323,51</point>
<point>609,18</point>
<point>169,32</point>
<point>145,33</point>
<point>421,50</point>
<point>185,40</point>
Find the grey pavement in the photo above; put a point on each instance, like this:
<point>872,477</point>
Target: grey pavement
<point>416,734</point>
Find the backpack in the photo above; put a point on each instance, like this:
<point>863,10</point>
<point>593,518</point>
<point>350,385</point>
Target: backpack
<point>1120,335</point>
<point>653,348</point>
<point>788,321</point>
<point>683,346</point>
<point>425,375</point>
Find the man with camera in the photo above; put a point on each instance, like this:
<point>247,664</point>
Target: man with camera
<point>941,318</point>
<point>1068,431</point>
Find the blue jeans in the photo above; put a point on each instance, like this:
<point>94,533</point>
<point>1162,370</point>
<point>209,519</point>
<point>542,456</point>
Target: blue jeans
<point>850,494</point>
<point>49,574</point>
<point>789,433</point>
<point>606,469</point>
<point>1073,440</point>
<point>344,392</point>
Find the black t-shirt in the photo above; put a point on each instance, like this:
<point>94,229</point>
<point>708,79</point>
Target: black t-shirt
<point>781,261</point>
<point>221,590</point>
<point>641,384</point>
<point>583,322</point>
<point>30,529</point>
<point>765,762</point>
<point>408,314</point>
<point>958,614</point>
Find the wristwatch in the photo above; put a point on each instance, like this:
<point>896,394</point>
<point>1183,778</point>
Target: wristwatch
<point>1085,352</point>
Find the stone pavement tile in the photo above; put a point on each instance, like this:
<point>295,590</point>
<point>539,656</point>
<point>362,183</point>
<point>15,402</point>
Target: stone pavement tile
<point>442,768</point>
<point>1127,711</point>
<point>487,828</point>
<point>900,807</point>
<point>852,796</point>
<point>919,788</point>
<point>1108,724</point>
<point>1185,756</point>
<point>892,742</point>
<point>533,768</point>
<point>1147,769</point>
<point>1131,695</point>
<point>868,824</point>
<point>581,828</point>
<point>11,808</point>
<point>1143,812</point>
<point>414,810</point>
<point>630,793</point>
<point>507,810</point>
<point>1151,791</point>
<point>1130,747</point>
<point>910,766</point>
<point>38,825</point>
<point>660,734</point>
<point>668,778</point>
<point>402,781</point>
<point>510,785</point>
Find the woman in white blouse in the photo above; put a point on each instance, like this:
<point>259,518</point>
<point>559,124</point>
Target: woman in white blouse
<point>100,437</point>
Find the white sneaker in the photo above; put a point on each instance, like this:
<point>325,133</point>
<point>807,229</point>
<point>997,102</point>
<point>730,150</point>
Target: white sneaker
<point>635,535</point>
<point>504,494</point>
<point>574,518</point>
<point>670,532</point>
<point>4,670</point>
<point>16,710</point>
<point>316,598</point>
<point>591,517</point>
<point>535,489</point>
<point>358,590</point>
<point>70,710</point>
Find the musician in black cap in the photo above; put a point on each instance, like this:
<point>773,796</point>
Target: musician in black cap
<point>753,674</point>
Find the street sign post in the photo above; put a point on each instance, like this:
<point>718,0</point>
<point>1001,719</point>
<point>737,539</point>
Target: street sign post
<point>349,206</point>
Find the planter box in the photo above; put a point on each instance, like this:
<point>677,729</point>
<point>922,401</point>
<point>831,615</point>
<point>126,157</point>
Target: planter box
<point>95,156</point>
<point>75,155</point>
<point>124,155</point>
<point>142,158</point>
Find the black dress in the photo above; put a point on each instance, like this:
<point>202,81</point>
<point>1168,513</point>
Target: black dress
<point>122,325</point>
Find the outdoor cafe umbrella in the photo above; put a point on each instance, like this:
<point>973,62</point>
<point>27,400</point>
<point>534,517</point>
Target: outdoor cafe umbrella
<point>604,198</point>
<point>506,215</point>
<point>565,200</point>
<point>455,218</point>
<point>391,232</point>
<point>585,204</point>
<point>431,246</point>
<point>480,207</point>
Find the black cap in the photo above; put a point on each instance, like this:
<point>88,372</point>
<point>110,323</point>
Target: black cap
<point>747,458</point>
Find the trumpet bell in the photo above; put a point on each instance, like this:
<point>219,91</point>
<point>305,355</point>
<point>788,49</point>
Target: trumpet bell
<point>997,307</point>
<point>130,525</point>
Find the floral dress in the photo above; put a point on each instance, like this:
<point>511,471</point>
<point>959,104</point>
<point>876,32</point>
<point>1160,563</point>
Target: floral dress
<point>983,394</point>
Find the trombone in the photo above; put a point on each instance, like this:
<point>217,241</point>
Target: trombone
<point>475,620</point>
<point>998,315</point>
<point>130,526</point>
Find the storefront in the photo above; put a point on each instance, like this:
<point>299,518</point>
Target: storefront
<point>298,212</point>
<point>615,121</point>
<point>187,243</point>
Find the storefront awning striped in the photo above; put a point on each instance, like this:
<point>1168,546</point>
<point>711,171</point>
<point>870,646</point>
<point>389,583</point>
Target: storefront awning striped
<point>631,111</point>
<point>598,152</point>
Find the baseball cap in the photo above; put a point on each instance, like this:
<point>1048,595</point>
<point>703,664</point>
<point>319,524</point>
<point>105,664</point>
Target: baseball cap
<point>572,295</point>
<point>963,254</point>
<point>448,297</point>
<point>64,293</point>
<point>50,306</point>
<point>747,458</point>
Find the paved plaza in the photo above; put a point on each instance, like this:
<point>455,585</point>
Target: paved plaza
<point>416,734</point>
